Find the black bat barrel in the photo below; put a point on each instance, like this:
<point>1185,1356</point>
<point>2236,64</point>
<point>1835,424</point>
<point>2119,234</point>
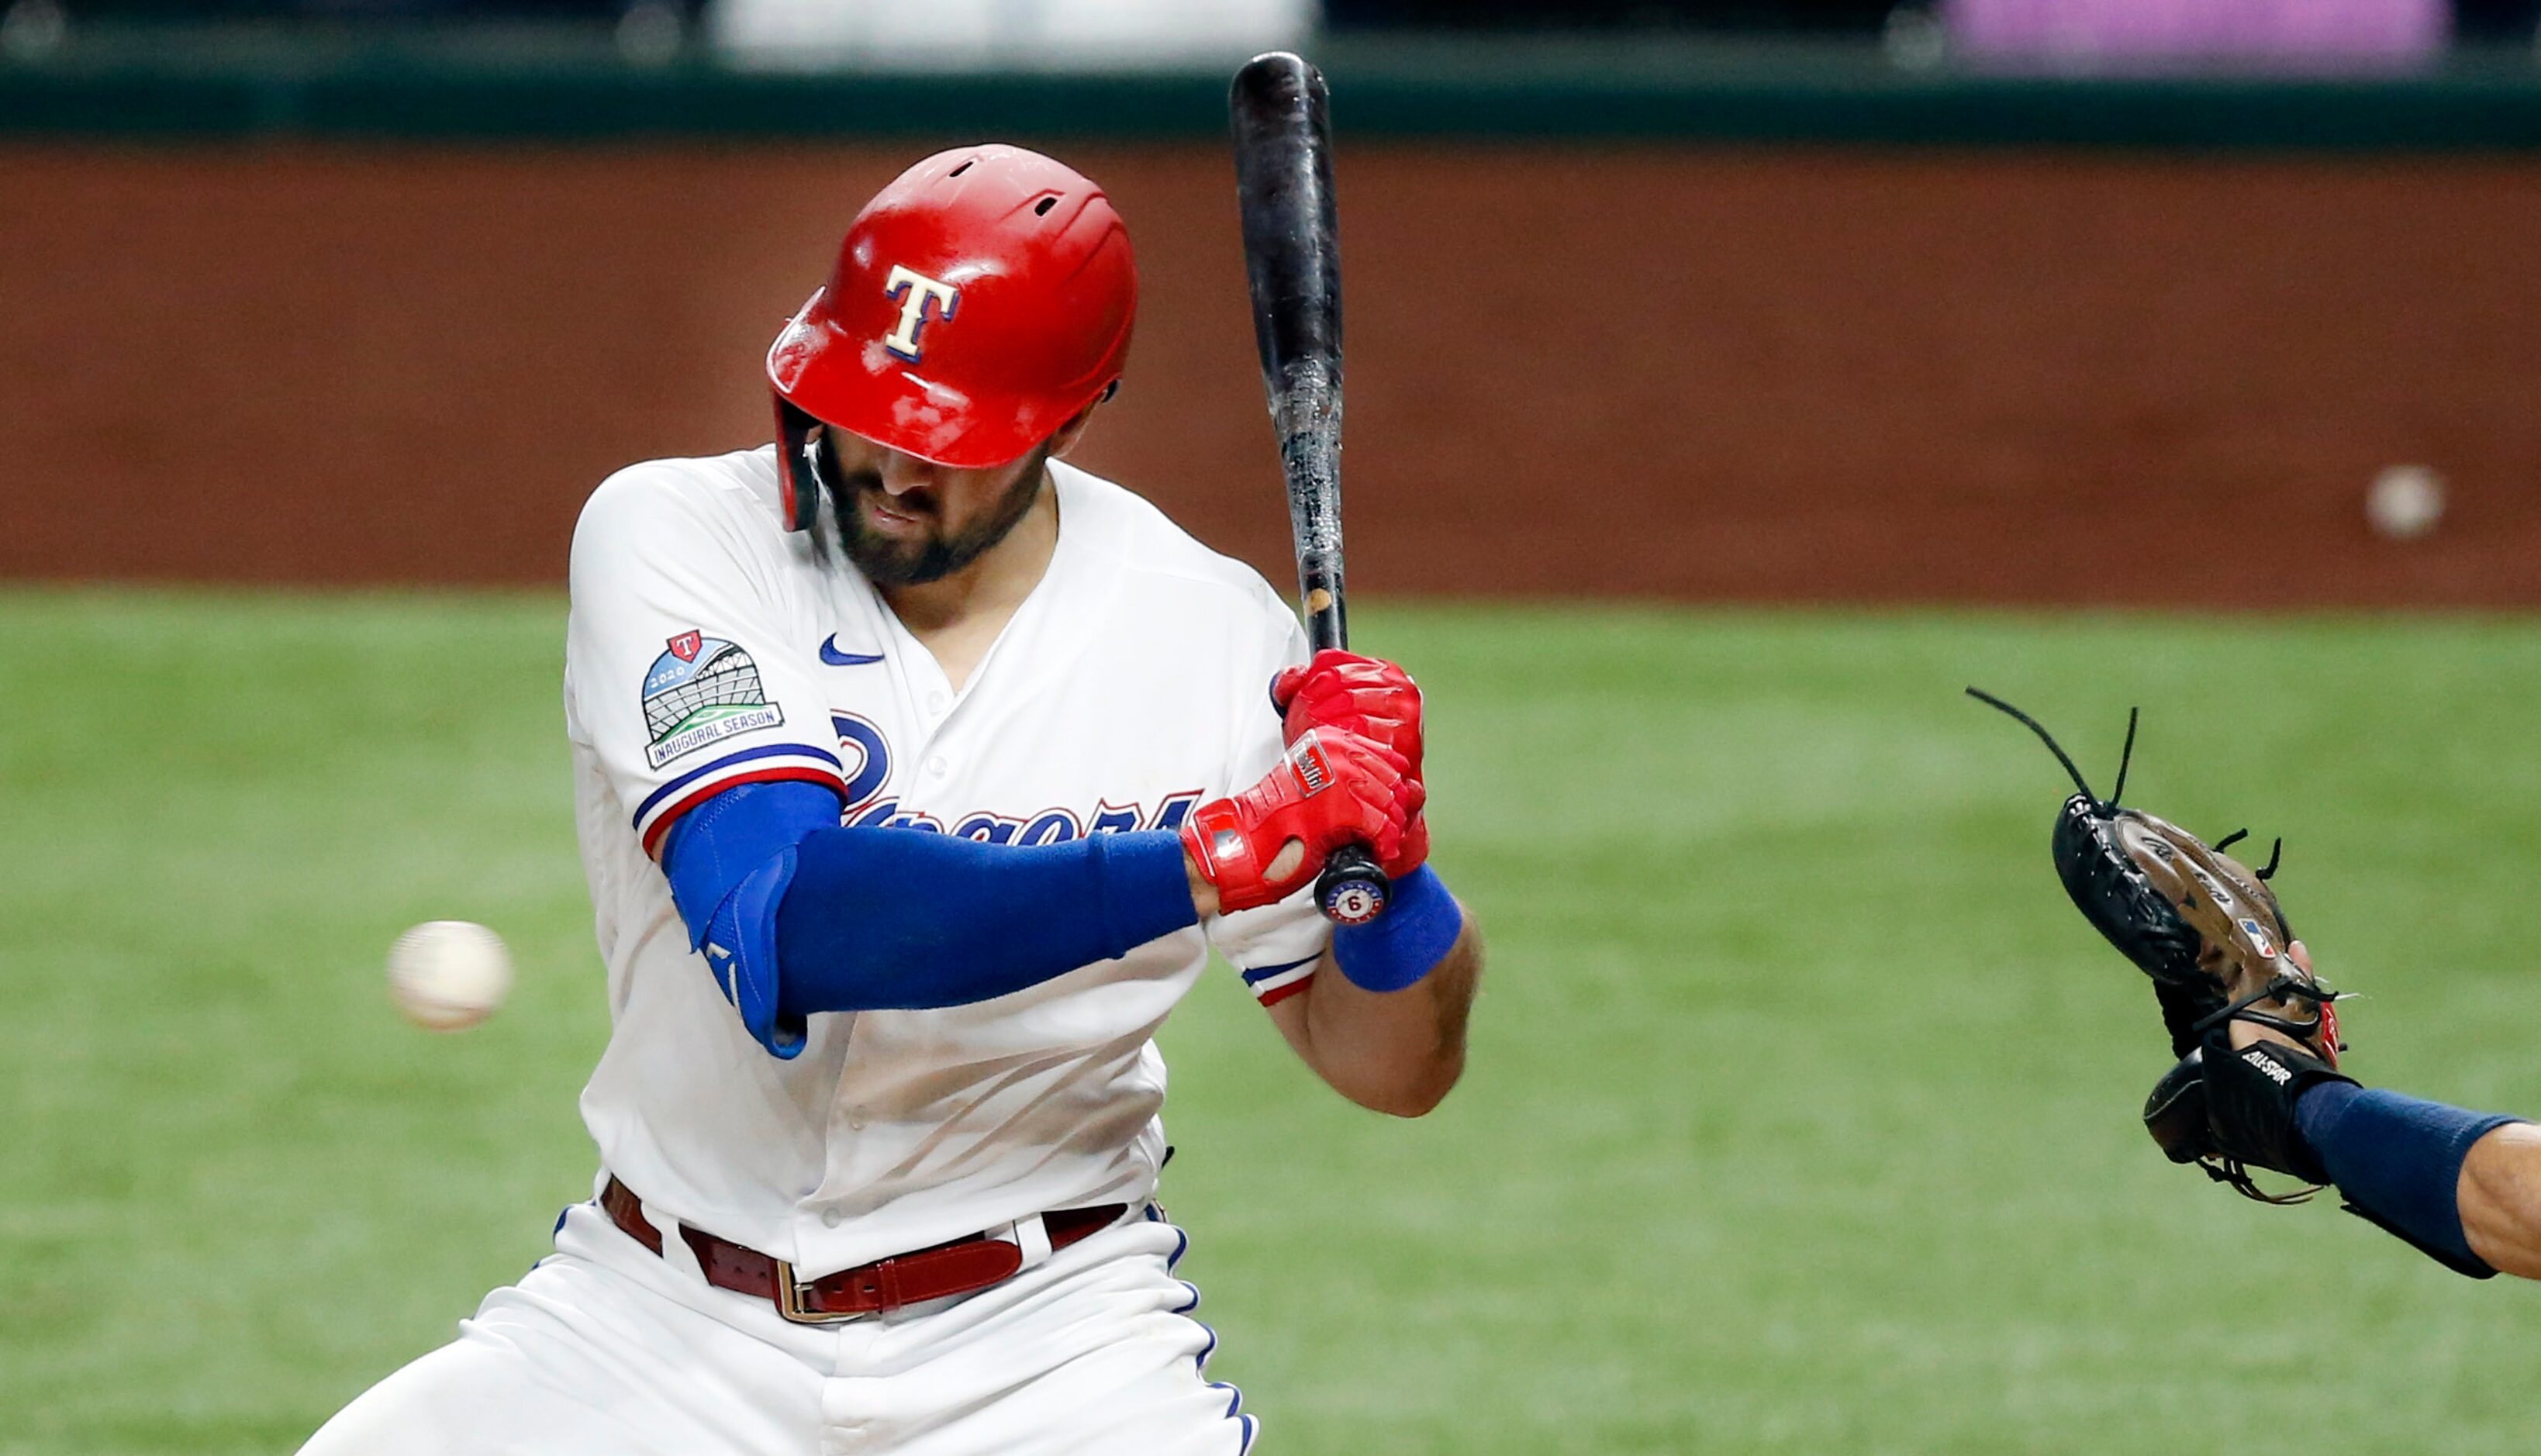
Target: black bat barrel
<point>1283,182</point>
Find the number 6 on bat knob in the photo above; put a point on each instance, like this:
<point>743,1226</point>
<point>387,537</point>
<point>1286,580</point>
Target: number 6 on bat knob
<point>1283,182</point>
<point>1351,894</point>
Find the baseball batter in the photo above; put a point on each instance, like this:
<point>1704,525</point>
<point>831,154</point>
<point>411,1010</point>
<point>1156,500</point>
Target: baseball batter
<point>916,772</point>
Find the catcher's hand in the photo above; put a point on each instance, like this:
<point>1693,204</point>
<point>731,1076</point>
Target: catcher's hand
<point>2209,932</point>
<point>2231,1099</point>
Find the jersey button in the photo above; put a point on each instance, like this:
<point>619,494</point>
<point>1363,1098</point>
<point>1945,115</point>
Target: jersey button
<point>856,1118</point>
<point>831,1219</point>
<point>935,702</point>
<point>937,765</point>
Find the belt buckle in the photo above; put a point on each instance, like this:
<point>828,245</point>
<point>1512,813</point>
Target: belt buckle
<point>789,1301</point>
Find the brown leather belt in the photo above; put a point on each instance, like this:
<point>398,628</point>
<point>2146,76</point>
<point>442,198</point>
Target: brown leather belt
<point>960,1266</point>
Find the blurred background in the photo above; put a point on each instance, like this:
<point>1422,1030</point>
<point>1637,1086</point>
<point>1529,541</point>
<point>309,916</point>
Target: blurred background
<point>1729,384</point>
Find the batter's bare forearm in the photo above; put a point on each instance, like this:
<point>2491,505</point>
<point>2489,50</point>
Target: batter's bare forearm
<point>1392,1051</point>
<point>1203,894</point>
<point>2500,1200</point>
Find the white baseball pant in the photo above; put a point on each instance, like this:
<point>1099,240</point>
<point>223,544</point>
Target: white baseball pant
<point>606,1348</point>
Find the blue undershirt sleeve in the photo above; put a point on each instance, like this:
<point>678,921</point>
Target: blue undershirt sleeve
<point>2398,1159</point>
<point>795,915</point>
<point>895,920</point>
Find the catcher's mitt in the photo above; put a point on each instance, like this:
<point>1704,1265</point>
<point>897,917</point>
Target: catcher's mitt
<point>2209,932</point>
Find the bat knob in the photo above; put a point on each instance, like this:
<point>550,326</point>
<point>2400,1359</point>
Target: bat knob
<point>1351,890</point>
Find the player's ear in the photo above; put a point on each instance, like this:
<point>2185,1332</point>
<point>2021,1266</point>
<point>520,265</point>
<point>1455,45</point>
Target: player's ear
<point>1065,436</point>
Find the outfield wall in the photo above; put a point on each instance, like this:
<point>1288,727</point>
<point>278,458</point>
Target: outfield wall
<point>1646,369</point>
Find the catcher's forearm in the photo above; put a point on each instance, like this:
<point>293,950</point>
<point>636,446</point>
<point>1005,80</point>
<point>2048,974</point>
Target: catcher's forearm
<point>2500,1200</point>
<point>2403,1163</point>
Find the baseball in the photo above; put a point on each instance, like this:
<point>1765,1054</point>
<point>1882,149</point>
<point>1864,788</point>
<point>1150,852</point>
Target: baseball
<point>2405,503</point>
<point>448,975</point>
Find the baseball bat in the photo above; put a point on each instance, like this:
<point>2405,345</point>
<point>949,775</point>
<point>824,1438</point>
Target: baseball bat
<point>1283,182</point>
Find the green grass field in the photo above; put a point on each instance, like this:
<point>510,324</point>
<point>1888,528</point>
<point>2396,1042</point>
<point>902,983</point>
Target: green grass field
<point>1801,1115</point>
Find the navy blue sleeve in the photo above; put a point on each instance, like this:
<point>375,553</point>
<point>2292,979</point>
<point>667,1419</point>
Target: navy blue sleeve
<point>880,918</point>
<point>2398,1159</point>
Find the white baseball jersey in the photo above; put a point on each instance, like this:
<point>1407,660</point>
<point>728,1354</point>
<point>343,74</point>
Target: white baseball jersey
<point>710,647</point>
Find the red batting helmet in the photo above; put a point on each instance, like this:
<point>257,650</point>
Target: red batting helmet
<point>979,302</point>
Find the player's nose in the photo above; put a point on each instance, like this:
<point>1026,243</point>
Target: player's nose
<point>901,473</point>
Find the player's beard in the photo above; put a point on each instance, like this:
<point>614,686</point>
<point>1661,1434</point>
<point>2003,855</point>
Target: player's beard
<point>891,562</point>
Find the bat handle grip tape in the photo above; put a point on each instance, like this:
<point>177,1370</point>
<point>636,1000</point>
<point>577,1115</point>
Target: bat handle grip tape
<point>1351,890</point>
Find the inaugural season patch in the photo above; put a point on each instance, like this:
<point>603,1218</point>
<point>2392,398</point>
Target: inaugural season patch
<point>702,691</point>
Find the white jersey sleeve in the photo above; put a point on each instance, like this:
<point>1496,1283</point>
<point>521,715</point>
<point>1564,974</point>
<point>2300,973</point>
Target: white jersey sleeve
<point>1275,946</point>
<point>682,671</point>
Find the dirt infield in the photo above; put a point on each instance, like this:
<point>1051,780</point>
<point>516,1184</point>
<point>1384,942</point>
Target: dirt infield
<point>1706,375</point>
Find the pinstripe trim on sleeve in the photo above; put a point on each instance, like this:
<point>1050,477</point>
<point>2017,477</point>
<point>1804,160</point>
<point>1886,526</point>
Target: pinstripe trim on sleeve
<point>762,765</point>
<point>1271,985</point>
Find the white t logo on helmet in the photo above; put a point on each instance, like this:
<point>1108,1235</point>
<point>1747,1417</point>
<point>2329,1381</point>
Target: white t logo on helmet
<point>915,291</point>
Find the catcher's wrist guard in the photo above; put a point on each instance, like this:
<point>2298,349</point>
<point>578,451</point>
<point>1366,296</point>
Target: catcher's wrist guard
<point>2231,1110</point>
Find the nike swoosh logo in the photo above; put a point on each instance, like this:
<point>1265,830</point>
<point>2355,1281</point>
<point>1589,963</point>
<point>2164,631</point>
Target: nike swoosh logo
<point>831,654</point>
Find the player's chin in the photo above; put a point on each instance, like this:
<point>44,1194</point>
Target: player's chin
<point>888,562</point>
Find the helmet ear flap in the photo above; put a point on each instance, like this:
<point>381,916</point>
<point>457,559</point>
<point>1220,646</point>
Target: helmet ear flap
<point>799,467</point>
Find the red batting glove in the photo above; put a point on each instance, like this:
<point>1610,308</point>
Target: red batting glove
<point>1332,789</point>
<point>1416,847</point>
<point>1364,696</point>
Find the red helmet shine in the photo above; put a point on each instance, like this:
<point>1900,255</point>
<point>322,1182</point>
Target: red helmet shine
<point>979,302</point>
